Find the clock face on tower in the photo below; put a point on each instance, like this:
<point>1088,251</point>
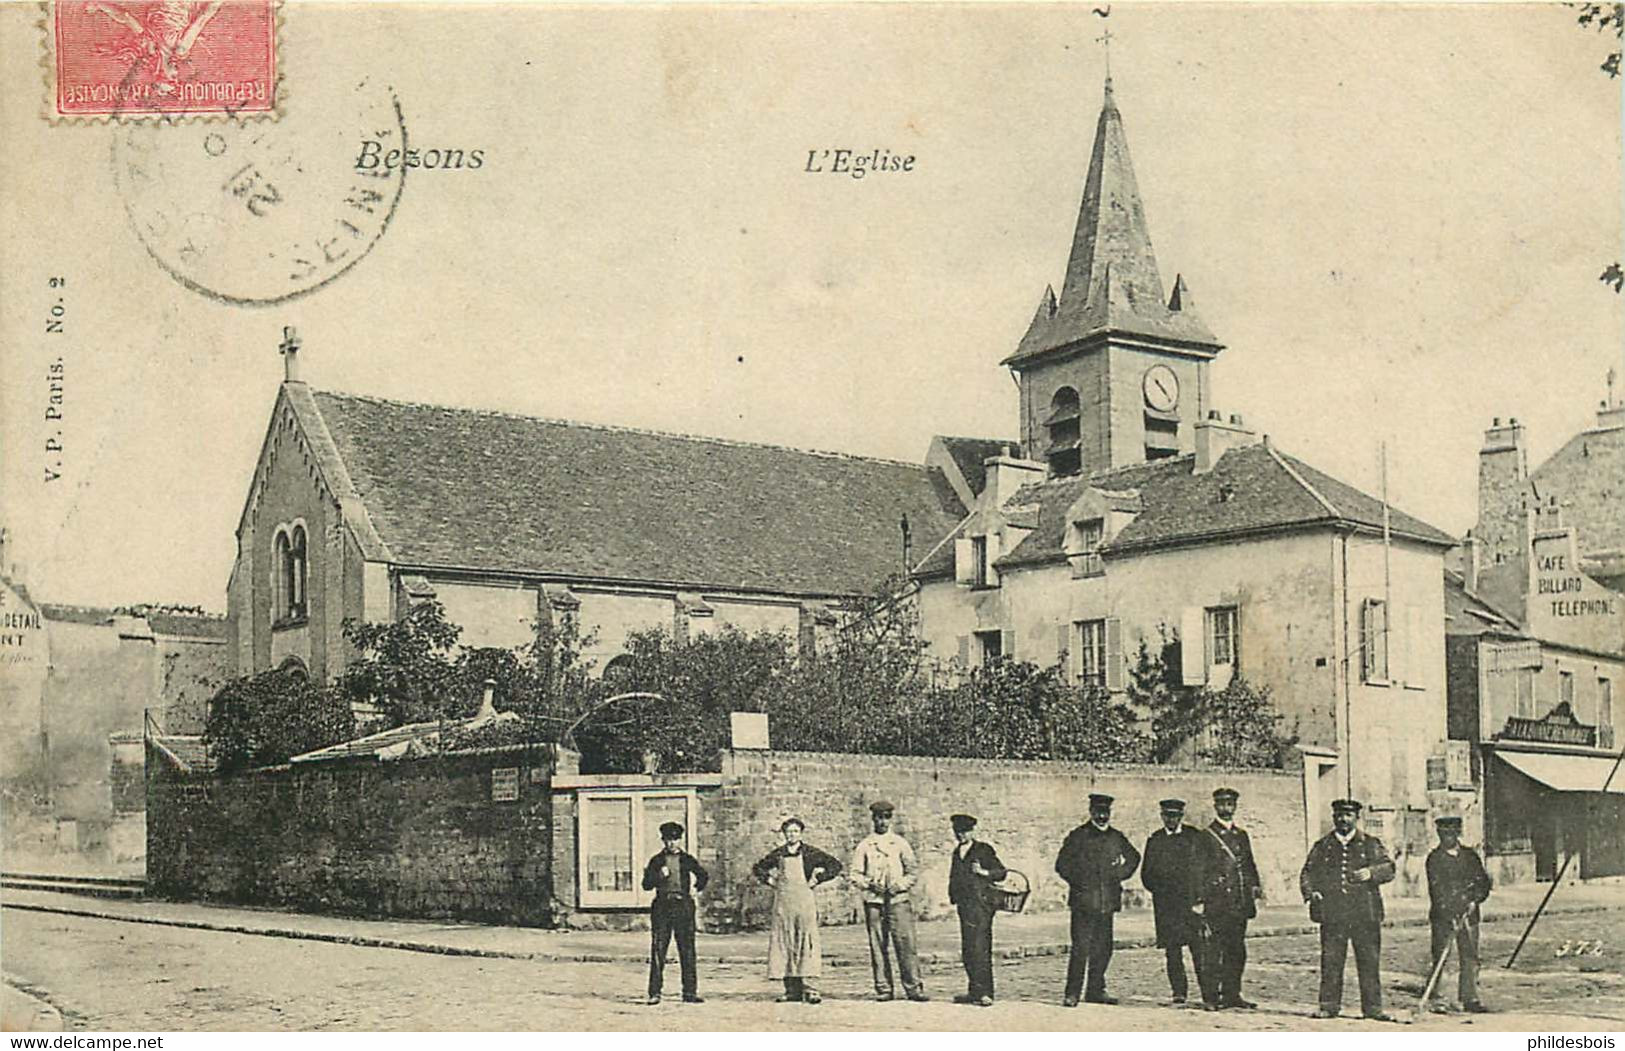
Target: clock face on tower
<point>1161,388</point>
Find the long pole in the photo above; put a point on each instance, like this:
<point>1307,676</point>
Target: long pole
<point>1559,877</point>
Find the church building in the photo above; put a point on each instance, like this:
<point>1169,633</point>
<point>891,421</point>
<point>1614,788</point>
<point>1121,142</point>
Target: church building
<point>360,507</point>
<point>1130,506</point>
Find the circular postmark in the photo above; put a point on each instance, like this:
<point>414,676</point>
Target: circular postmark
<point>257,212</point>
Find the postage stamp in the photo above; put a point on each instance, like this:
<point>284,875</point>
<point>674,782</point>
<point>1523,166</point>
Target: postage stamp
<point>146,59</point>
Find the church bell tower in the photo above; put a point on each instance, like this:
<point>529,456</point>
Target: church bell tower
<point>1115,370</point>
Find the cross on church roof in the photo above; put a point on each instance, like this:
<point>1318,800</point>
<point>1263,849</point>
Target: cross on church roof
<point>289,348</point>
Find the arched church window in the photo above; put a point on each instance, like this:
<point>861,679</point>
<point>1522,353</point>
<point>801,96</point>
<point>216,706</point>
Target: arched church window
<point>1064,453</point>
<point>292,575</point>
<point>279,576</point>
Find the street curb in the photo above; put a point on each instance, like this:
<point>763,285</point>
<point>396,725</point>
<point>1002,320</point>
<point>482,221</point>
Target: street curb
<point>944,958</point>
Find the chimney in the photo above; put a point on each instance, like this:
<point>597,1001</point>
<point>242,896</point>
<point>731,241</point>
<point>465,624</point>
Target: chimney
<point>1471,561</point>
<point>1215,436</point>
<point>290,354</point>
<point>1503,491</point>
<point>1005,474</point>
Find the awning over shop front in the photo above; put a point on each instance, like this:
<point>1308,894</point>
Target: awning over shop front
<point>1566,773</point>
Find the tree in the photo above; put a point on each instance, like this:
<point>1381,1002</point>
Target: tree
<point>1235,726</point>
<point>408,668</point>
<point>264,719</point>
<point>1607,18</point>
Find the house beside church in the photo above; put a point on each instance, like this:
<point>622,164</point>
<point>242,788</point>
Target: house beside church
<point>1131,506</point>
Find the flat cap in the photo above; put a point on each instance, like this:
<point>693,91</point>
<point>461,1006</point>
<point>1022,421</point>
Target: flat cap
<point>962,822</point>
<point>1351,806</point>
<point>1225,793</point>
<point>1099,799</point>
<point>1173,804</point>
<point>671,830</point>
<point>881,806</point>
<point>1447,821</point>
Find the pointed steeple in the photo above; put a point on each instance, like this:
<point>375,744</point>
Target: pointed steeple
<point>1112,282</point>
<point>1111,223</point>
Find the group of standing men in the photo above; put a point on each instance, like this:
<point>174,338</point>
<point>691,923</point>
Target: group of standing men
<point>1204,887</point>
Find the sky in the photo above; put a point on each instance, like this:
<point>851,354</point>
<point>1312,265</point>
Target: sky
<point>1393,217</point>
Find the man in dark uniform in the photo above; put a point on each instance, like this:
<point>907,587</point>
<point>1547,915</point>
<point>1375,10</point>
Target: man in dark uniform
<point>1230,894</point>
<point>671,874</point>
<point>1457,883</point>
<point>1341,882</point>
<point>971,874</point>
<point>1172,871</point>
<point>1094,861</point>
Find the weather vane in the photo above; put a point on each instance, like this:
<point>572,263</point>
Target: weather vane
<point>1105,38</point>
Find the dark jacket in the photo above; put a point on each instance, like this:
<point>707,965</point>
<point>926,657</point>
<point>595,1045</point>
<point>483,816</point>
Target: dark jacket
<point>965,888</point>
<point>1326,871</point>
<point>1455,884</point>
<point>1095,864</point>
<point>811,858</point>
<point>692,876</point>
<point>1230,879</point>
<point>1173,870</point>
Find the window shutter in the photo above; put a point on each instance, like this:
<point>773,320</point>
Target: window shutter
<point>1063,653</point>
<point>1008,643</point>
<point>964,561</point>
<point>964,651</point>
<point>1414,668</point>
<point>1370,641</point>
<point>1192,646</point>
<point>993,550</point>
<point>1114,654</point>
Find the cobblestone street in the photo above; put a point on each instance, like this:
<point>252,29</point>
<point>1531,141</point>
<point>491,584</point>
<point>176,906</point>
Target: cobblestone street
<point>106,975</point>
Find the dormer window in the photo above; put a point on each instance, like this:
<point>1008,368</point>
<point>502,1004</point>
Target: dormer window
<point>1084,548</point>
<point>1064,452</point>
<point>974,557</point>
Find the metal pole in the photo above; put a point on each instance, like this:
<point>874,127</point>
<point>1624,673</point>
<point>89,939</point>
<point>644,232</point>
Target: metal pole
<point>1559,878</point>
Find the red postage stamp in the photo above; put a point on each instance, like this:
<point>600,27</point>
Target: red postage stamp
<point>157,58</point>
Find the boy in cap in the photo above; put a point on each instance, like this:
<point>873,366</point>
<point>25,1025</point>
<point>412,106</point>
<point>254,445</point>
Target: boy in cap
<point>1457,883</point>
<point>1230,893</point>
<point>671,874</point>
<point>1340,882</point>
<point>1172,874</point>
<point>974,869</point>
<point>1094,861</point>
<point>885,869</point>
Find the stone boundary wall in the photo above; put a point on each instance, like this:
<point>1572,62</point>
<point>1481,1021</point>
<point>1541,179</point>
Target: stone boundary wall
<point>419,838</point>
<point>1025,809</point>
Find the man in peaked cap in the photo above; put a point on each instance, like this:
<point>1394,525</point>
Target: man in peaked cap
<point>1341,881</point>
<point>1230,893</point>
<point>1457,884</point>
<point>675,876</point>
<point>1095,860</point>
<point>885,869</point>
<point>973,870</point>
<point>1171,873</point>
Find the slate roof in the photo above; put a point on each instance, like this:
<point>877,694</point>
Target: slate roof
<point>484,490</point>
<point>1112,280</point>
<point>161,621</point>
<point>186,752</point>
<point>1469,613</point>
<point>190,625</point>
<point>968,454</point>
<point>1252,489</point>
